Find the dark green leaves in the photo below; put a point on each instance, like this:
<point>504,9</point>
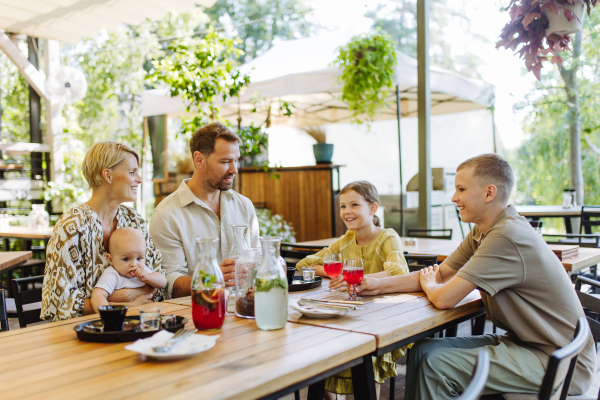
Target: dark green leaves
<point>367,63</point>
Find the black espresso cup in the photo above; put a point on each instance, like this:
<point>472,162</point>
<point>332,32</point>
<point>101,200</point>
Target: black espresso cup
<point>113,317</point>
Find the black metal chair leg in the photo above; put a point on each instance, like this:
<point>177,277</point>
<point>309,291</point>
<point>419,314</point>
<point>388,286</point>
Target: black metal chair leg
<point>316,391</point>
<point>296,395</point>
<point>452,331</point>
<point>392,387</point>
<point>478,327</point>
<point>363,380</point>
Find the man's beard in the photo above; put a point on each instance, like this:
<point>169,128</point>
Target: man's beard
<point>220,184</point>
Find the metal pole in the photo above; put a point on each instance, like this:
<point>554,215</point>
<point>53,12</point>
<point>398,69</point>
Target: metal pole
<point>35,108</point>
<point>399,115</point>
<point>424,113</point>
<point>493,129</point>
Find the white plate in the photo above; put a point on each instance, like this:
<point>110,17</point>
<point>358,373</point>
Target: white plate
<point>194,344</point>
<point>317,312</point>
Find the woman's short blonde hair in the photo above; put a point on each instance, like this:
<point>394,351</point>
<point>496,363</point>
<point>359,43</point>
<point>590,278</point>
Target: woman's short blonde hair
<point>101,156</point>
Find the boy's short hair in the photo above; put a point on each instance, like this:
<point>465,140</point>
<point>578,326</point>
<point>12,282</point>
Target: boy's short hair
<point>204,139</point>
<point>492,169</point>
<point>101,156</point>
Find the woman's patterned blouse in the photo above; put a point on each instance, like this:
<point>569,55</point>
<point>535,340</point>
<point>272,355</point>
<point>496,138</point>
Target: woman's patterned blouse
<point>76,257</point>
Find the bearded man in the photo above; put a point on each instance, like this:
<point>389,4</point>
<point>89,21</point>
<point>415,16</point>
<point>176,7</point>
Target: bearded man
<point>203,206</point>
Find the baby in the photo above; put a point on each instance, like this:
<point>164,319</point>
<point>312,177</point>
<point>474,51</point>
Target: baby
<point>127,249</point>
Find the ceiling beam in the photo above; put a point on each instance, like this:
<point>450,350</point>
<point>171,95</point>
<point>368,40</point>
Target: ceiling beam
<point>35,78</point>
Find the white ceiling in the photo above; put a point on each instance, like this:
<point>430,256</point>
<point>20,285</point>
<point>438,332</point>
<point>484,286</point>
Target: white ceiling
<point>72,20</point>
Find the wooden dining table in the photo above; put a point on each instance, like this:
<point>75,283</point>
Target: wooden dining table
<point>13,259</point>
<point>26,233</point>
<point>48,362</point>
<point>536,212</point>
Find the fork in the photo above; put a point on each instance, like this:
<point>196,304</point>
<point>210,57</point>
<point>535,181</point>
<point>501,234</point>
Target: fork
<point>174,340</point>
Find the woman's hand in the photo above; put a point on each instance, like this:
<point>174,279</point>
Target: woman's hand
<point>337,282</point>
<point>228,269</point>
<point>368,287</point>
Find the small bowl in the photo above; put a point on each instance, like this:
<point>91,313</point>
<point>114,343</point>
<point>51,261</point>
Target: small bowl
<point>290,274</point>
<point>113,317</point>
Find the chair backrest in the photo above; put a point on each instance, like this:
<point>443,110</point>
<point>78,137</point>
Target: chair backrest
<point>535,224</point>
<point>417,262</point>
<point>292,252</point>
<point>3,313</point>
<point>561,361</point>
<point>460,224</point>
<point>570,238</point>
<point>590,216</point>
<point>430,233</point>
<point>24,297</point>
<point>480,375</point>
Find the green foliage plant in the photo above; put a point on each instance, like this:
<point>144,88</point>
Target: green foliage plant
<point>525,33</point>
<point>202,71</point>
<point>270,224</point>
<point>367,62</point>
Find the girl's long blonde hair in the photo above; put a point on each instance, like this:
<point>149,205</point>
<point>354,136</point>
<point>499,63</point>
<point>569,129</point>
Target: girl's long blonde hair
<point>368,191</point>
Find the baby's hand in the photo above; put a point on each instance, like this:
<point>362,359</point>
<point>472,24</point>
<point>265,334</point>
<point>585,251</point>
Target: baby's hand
<point>141,274</point>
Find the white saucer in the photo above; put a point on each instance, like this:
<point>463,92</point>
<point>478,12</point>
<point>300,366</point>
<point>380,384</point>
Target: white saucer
<point>194,344</point>
<point>314,312</point>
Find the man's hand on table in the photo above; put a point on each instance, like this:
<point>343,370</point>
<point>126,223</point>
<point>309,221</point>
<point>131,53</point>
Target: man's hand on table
<point>368,287</point>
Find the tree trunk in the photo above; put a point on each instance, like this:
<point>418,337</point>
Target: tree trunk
<point>570,79</point>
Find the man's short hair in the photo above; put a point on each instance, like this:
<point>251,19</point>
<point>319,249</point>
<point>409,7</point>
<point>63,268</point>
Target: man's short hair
<point>204,139</point>
<point>101,156</point>
<point>492,169</point>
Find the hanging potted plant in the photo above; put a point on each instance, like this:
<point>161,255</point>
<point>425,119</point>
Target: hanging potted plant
<point>367,63</point>
<point>323,151</point>
<point>538,29</point>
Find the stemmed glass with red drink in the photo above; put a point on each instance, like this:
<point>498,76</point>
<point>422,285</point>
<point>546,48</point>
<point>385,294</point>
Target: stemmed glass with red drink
<point>354,271</point>
<point>332,265</point>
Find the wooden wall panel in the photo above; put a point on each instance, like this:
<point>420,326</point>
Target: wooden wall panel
<point>301,196</point>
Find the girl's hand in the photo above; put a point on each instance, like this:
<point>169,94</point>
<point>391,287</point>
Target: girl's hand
<point>337,282</point>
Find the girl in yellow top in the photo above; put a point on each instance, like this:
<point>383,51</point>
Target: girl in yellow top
<point>382,254</point>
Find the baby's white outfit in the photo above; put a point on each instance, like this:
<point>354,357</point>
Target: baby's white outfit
<point>111,280</point>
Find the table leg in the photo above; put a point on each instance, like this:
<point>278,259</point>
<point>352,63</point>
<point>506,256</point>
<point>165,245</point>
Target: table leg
<point>316,391</point>
<point>568,225</point>
<point>363,379</point>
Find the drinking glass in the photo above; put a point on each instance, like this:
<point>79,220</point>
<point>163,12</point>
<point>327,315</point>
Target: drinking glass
<point>308,273</point>
<point>150,317</point>
<point>332,265</point>
<point>354,271</point>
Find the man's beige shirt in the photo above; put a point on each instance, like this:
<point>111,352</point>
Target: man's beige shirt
<point>182,217</point>
<point>525,289</point>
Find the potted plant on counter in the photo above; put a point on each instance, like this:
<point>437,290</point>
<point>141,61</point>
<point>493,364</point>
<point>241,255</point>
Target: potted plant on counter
<point>540,28</point>
<point>323,150</point>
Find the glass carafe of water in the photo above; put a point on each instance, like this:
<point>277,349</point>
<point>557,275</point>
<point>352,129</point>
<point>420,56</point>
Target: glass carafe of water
<point>271,302</point>
<point>239,241</point>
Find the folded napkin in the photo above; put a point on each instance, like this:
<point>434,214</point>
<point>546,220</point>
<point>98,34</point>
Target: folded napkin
<point>191,345</point>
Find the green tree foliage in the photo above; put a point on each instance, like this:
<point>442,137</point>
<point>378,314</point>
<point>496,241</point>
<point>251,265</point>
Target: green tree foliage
<point>542,161</point>
<point>14,103</point>
<point>398,18</point>
<point>261,23</point>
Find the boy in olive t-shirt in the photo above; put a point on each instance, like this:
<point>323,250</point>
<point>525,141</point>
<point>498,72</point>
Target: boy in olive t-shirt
<point>523,285</point>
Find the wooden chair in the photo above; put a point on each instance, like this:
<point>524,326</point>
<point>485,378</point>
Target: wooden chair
<point>3,313</point>
<point>29,302</point>
<point>445,234</point>
<point>559,359</point>
<point>292,252</point>
<point>480,375</point>
<point>590,217</point>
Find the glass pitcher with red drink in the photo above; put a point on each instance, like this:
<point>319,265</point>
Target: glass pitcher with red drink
<point>354,271</point>
<point>208,287</point>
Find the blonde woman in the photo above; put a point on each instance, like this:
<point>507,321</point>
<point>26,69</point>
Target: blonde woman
<point>382,253</point>
<point>76,253</point>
